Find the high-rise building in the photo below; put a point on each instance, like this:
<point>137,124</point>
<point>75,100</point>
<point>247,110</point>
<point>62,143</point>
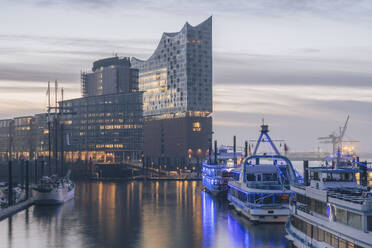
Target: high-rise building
<point>109,76</point>
<point>177,85</point>
<point>106,128</point>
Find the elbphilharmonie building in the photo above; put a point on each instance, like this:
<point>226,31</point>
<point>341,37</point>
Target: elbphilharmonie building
<point>177,100</point>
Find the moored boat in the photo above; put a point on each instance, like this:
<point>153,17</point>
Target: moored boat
<point>215,177</point>
<point>263,191</point>
<point>330,208</point>
<point>53,190</point>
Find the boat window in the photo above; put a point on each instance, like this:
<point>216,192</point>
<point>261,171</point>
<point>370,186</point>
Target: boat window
<point>314,176</point>
<point>327,238</point>
<point>258,177</point>
<point>354,220</point>
<point>251,198</point>
<point>369,223</point>
<point>269,177</point>
<point>267,199</point>
<point>334,241</point>
<point>242,196</point>
<point>320,234</point>
<point>342,243</point>
<point>251,177</point>
<point>341,215</point>
<point>315,232</point>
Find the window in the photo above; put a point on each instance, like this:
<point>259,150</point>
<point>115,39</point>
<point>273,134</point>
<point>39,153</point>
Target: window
<point>354,220</point>
<point>327,237</point>
<point>342,243</point>
<point>320,234</point>
<point>196,127</point>
<point>251,177</point>
<point>334,241</point>
<point>341,215</point>
<point>369,223</point>
<point>269,177</point>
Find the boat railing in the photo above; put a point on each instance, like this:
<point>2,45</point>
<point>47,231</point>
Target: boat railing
<point>264,186</point>
<point>304,208</point>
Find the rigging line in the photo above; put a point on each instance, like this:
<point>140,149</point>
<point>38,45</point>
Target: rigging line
<point>277,168</point>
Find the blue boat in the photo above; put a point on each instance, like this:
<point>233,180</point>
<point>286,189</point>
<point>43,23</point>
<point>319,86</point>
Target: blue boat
<point>215,177</point>
<point>262,192</point>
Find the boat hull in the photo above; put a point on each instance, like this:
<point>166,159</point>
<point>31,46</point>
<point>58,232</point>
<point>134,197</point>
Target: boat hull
<point>262,215</point>
<point>216,192</point>
<point>58,196</point>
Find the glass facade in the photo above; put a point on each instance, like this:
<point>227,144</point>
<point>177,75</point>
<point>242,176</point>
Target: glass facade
<point>177,78</point>
<point>107,128</point>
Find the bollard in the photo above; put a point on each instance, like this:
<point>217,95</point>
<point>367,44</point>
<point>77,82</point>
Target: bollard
<point>10,184</point>
<point>210,154</point>
<point>27,180</point>
<point>215,152</point>
<point>363,175</point>
<point>306,173</point>
<point>21,175</point>
<point>246,149</point>
<point>35,174</point>
<point>257,161</point>
<point>234,149</point>
<point>42,168</point>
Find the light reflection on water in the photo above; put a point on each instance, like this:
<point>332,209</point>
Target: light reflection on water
<point>137,214</point>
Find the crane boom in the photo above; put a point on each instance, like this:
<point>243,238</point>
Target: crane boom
<point>344,129</point>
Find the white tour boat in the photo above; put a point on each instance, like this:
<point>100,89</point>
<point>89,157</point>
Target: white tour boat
<point>331,209</point>
<point>263,190</point>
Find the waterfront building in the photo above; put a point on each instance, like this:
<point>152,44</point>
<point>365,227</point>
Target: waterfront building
<point>41,134</point>
<point>5,138</point>
<point>109,76</point>
<point>103,128</point>
<point>177,100</point>
<point>23,137</point>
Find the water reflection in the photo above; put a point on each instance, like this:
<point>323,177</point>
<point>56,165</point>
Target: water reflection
<point>222,227</point>
<point>137,214</point>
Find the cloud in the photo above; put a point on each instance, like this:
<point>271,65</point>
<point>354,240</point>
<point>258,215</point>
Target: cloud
<point>339,9</point>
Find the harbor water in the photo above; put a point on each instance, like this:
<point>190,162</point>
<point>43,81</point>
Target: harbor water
<point>138,214</point>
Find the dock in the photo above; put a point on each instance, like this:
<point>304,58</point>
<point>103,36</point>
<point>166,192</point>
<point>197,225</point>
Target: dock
<point>9,211</point>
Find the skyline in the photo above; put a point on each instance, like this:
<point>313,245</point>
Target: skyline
<point>293,61</point>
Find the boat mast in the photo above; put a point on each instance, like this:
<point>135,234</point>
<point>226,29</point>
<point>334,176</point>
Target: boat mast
<point>264,133</point>
<point>49,144</point>
<point>56,127</point>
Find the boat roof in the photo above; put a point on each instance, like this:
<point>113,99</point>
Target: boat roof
<point>333,170</point>
<point>262,168</point>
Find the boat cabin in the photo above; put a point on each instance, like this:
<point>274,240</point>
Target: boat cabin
<point>327,177</point>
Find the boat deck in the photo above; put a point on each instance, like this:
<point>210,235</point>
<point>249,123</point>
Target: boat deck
<point>354,195</point>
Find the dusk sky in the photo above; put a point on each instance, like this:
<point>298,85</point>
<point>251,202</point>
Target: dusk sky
<point>303,65</point>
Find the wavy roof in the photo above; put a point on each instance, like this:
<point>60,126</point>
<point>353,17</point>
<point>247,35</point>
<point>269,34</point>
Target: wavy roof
<point>165,35</point>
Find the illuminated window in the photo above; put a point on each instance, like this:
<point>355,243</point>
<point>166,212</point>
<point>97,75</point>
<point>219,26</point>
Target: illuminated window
<point>196,127</point>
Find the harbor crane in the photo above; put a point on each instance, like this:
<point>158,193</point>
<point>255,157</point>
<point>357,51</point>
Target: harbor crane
<point>336,139</point>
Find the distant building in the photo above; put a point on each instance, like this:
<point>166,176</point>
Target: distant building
<point>177,85</point>
<point>106,128</point>
<point>105,125</point>
<point>5,138</point>
<point>41,133</point>
<point>23,137</point>
<point>109,76</point>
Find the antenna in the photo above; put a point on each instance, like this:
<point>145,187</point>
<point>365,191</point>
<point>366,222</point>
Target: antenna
<point>56,94</point>
<point>48,94</point>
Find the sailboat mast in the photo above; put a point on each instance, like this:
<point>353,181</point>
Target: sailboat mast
<point>49,138</point>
